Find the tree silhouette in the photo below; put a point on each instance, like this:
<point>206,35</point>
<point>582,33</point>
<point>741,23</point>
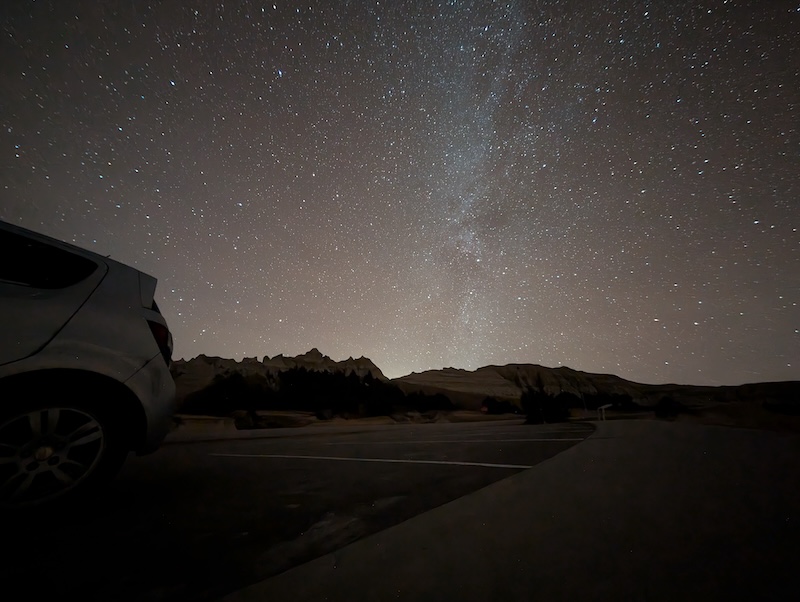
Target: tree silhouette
<point>542,408</point>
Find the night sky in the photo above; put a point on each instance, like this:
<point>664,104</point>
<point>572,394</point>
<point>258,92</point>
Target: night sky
<point>610,186</point>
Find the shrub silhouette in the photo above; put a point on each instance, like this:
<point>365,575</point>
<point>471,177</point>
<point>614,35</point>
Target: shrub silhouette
<point>229,392</point>
<point>542,408</point>
<point>495,406</point>
<point>667,407</point>
<point>422,402</point>
<point>620,401</point>
<point>787,408</point>
<point>324,393</point>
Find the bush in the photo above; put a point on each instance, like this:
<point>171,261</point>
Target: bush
<point>667,407</point>
<point>227,393</point>
<point>542,408</point>
<point>495,406</point>
<point>324,393</point>
<point>427,403</point>
<point>620,401</point>
<point>786,408</point>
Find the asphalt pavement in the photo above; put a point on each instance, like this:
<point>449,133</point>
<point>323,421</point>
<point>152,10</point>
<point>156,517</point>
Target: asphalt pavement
<point>642,510</point>
<point>200,519</point>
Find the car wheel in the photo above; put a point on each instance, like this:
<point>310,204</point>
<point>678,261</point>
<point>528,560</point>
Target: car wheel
<point>51,452</point>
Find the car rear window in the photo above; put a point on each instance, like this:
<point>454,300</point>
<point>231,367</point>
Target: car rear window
<point>30,262</point>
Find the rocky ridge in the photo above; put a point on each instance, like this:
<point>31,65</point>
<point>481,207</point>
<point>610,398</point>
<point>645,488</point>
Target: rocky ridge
<point>470,389</point>
<point>199,372</point>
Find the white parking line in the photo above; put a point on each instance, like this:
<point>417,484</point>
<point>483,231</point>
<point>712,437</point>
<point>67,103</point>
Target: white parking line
<point>520,427</point>
<point>386,460</point>
<point>449,441</point>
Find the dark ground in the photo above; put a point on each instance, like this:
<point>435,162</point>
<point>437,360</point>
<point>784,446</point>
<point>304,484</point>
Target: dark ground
<point>187,524</point>
<point>642,510</point>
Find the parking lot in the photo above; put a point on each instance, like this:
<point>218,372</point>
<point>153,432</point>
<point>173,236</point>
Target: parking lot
<point>198,520</point>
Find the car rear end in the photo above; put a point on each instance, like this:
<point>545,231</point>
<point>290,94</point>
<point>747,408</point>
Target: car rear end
<point>121,333</point>
<point>155,377</point>
<point>84,368</point>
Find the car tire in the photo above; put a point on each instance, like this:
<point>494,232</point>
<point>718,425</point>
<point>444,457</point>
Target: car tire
<point>56,449</point>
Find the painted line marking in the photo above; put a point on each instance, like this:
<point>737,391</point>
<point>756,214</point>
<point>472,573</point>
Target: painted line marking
<point>386,460</point>
<point>450,441</point>
<point>527,431</point>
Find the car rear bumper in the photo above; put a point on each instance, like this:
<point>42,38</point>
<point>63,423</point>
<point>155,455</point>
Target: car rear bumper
<point>155,389</point>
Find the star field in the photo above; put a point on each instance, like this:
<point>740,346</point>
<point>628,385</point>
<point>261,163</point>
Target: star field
<point>611,186</point>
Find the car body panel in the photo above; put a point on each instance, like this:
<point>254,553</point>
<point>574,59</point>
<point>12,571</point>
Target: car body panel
<point>98,326</point>
<point>154,386</point>
<point>30,316</point>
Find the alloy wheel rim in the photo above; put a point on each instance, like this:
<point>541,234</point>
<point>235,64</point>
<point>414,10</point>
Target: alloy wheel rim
<point>46,453</point>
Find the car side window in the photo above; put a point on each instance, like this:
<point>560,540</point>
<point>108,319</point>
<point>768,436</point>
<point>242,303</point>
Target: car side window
<point>33,263</point>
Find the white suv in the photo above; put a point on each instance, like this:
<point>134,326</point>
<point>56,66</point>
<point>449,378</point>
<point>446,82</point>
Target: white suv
<point>84,367</point>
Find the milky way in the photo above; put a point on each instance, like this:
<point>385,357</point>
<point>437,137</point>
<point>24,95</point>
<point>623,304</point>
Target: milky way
<point>611,186</point>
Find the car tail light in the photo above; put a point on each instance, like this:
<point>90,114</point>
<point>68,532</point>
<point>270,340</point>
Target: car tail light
<point>163,338</point>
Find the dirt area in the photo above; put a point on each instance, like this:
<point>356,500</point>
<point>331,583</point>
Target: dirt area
<point>734,414</point>
<point>286,419</point>
<point>743,415</point>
